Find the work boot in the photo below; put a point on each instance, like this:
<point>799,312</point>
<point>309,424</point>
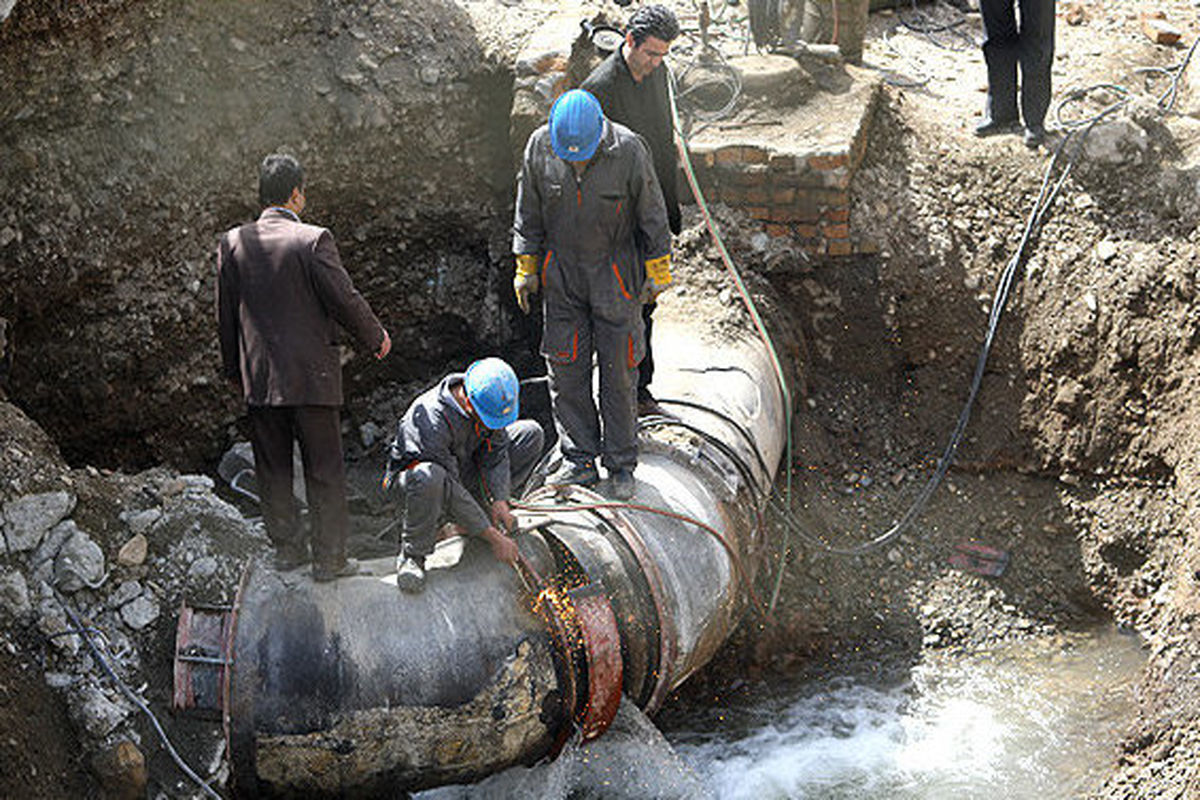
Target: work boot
<point>994,127</point>
<point>348,568</point>
<point>580,473</point>
<point>1034,136</point>
<point>647,406</point>
<point>410,574</point>
<point>623,485</point>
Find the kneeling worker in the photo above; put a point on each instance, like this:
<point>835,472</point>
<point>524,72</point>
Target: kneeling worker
<point>459,449</point>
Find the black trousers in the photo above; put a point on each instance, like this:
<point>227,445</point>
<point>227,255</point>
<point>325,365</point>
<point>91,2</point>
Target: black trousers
<point>1029,44</point>
<point>646,365</point>
<point>318,429</point>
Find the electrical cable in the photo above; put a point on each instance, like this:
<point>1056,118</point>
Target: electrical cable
<point>84,632</point>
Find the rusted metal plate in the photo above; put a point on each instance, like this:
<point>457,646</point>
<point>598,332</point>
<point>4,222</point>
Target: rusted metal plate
<point>201,658</point>
<point>602,650</point>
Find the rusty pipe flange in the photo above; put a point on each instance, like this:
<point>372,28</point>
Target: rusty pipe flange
<point>601,643</point>
<point>632,539</point>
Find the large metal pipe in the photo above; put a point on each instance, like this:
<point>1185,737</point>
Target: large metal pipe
<point>355,688</point>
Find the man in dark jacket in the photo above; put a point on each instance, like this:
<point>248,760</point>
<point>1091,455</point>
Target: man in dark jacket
<point>458,449</point>
<point>631,85</point>
<point>1007,45</point>
<point>590,217</point>
<point>281,294</point>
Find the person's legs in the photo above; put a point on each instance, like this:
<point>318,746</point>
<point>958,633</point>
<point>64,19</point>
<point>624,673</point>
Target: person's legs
<point>271,435</point>
<point>571,398</point>
<point>646,367</point>
<point>525,442</point>
<point>1037,59</point>
<point>320,433</point>
<point>423,497</point>
<point>619,349</point>
<point>1000,48</point>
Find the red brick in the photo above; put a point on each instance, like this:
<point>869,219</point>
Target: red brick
<point>828,162</point>
<point>755,155</point>
<point>775,229</point>
<point>836,231</point>
<point>829,197</point>
<point>837,215</point>
<point>782,163</point>
<point>759,212</point>
<point>840,247</point>
<point>758,196</point>
<point>783,197</point>
<point>796,213</point>
<point>807,231</point>
<point>729,155</point>
<point>753,175</point>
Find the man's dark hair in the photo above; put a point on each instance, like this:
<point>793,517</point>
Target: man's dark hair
<point>653,20</point>
<point>277,176</point>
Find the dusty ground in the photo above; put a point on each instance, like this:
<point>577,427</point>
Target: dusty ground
<point>1078,460</point>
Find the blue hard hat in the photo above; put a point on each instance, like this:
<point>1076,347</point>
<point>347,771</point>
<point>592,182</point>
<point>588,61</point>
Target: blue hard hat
<point>494,392</point>
<point>576,124</point>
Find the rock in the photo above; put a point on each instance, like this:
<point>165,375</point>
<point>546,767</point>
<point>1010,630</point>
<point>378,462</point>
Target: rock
<point>141,521</point>
<point>28,518</point>
<point>139,612</point>
<point>1075,14</point>
<point>98,715</point>
<point>1106,250</point>
<point>204,567</point>
<point>6,7</point>
<point>370,433</point>
<point>122,771</point>
<point>1118,141</point>
<point>127,591</point>
<point>79,563</point>
<point>133,552</point>
<point>14,595</point>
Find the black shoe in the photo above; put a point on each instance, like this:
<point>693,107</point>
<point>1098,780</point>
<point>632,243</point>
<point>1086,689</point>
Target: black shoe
<point>994,127</point>
<point>348,568</point>
<point>287,559</point>
<point>580,473</point>
<point>649,407</point>
<point>410,574</point>
<point>1034,137</point>
<point>623,485</point>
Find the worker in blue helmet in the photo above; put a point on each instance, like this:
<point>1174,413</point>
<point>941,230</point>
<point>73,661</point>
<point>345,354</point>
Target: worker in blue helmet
<point>591,235</point>
<point>457,456</point>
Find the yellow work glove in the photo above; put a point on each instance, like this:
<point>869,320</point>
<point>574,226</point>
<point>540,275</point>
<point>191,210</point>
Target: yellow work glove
<point>658,278</point>
<point>525,282</point>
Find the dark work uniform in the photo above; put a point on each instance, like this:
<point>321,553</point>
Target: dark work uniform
<point>282,293</point>
<point>592,235</point>
<point>644,108</point>
<point>446,465</point>
<point>1007,44</point>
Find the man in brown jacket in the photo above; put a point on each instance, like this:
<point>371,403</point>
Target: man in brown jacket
<point>281,294</point>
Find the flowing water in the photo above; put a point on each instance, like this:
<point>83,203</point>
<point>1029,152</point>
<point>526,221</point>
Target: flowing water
<point>1029,720</point>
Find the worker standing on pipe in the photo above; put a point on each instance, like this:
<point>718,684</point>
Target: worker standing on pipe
<point>631,85</point>
<point>281,293</point>
<point>458,448</point>
<point>591,230</point>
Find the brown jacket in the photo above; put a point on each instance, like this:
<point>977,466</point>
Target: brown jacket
<point>281,293</point>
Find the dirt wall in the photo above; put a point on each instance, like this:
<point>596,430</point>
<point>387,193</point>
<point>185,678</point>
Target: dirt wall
<point>132,133</point>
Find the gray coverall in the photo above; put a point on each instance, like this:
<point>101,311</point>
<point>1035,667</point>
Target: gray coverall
<point>445,465</point>
<point>591,236</point>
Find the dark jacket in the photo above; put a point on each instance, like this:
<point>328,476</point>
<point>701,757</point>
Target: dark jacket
<point>645,108</point>
<point>435,428</point>
<point>281,293</point>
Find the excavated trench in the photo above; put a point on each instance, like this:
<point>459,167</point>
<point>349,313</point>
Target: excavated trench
<point>127,160</point>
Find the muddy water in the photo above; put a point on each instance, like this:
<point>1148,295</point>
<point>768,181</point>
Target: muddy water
<point>1031,720</point>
